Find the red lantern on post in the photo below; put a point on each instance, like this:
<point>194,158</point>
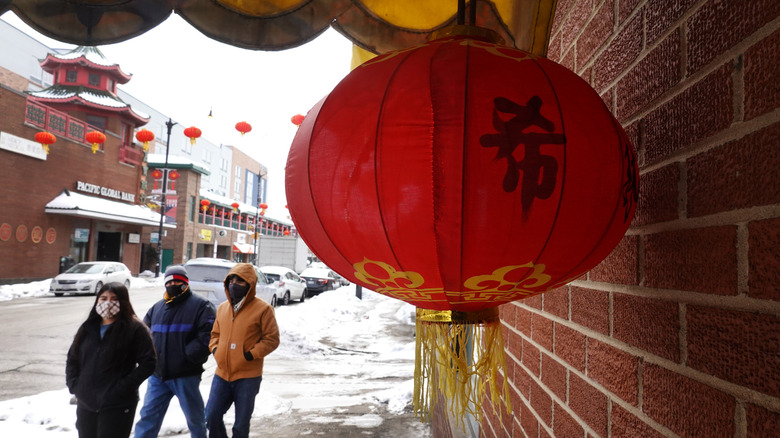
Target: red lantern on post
<point>193,133</point>
<point>297,119</point>
<point>204,204</point>
<point>173,176</point>
<point>156,175</point>
<point>457,176</point>
<point>263,207</point>
<point>145,136</point>
<point>45,139</point>
<point>95,138</point>
<point>243,127</point>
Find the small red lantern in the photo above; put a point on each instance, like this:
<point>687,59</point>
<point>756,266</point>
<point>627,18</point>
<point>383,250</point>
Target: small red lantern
<point>457,176</point>
<point>156,175</point>
<point>145,136</point>
<point>235,207</point>
<point>263,205</point>
<point>297,119</point>
<point>45,139</point>
<point>243,127</point>
<point>286,232</point>
<point>204,204</point>
<point>96,138</point>
<point>193,133</point>
<point>173,176</point>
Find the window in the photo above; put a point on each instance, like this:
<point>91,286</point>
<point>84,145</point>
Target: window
<point>94,79</point>
<point>223,181</point>
<point>238,172</point>
<point>192,213</point>
<point>110,85</point>
<point>97,121</point>
<point>189,250</point>
<point>237,187</point>
<point>207,156</point>
<point>224,165</point>
<point>70,76</point>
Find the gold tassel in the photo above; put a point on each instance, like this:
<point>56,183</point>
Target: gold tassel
<point>458,355</point>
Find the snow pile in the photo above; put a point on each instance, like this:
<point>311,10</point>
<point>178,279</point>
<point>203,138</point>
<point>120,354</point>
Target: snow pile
<point>24,290</point>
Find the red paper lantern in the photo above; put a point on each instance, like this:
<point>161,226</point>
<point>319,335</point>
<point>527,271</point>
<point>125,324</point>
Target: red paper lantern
<point>157,174</point>
<point>243,127</point>
<point>45,139</point>
<point>263,205</point>
<point>460,175</point>
<point>173,176</point>
<point>297,119</point>
<point>235,207</point>
<point>95,138</point>
<point>145,136</point>
<point>204,204</point>
<point>286,232</point>
<point>193,133</point>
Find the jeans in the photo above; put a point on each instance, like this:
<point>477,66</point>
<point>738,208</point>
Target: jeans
<point>158,396</point>
<point>242,392</point>
<point>108,423</point>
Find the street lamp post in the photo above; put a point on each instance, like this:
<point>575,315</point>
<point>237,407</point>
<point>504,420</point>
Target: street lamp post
<point>257,221</point>
<point>169,124</point>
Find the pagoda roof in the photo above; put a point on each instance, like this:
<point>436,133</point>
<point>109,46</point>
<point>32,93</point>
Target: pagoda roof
<point>86,55</point>
<point>91,97</point>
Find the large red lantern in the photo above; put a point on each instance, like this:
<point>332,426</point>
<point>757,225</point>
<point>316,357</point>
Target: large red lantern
<point>297,119</point>
<point>45,139</point>
<point>95,138</point>
<point>193,133</point>
<point>204,204</point>
<point>457,176</point>
<point>243,127</point>
<point>145,136</point>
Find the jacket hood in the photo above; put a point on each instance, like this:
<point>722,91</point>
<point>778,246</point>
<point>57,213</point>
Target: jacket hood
<point>248,274</point>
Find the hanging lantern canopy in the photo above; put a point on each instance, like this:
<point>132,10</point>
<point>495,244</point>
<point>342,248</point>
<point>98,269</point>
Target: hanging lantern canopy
<point>457,176</point>
<point>45,139</point>
<point>297,119</point>
<point>243,127</point>
<point>145,136</point>
<point>193,133</point>
<point>204,204</point>
<point>95,138</point>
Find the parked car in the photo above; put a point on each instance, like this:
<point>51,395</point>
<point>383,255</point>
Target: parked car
<point>207,279</point>
<point>89,277</point>
<point>319,280</point>
<point>342,281</point>
<point>289,285</point>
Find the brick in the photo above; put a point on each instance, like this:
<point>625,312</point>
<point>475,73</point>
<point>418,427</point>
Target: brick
<point>619,54</point>
<point>658,196</point>
<point>542,332</point>
<point>662,15</point>
<point>570,346</point>
<point>554,376</point>
<point>588,403</point>
<point>556,302</point>
<point>633,132</point>
<point>531,358</point>
<point>687,407</point>
<point>561,13</point>
<point>530,424</point>
<point>507,313</point>
<point>596,32</point>
<point>523,321</point>
<point>541,402</point>
<point>574,23</point>
<point>739,174</point>
<point>701,260</point>
<point>590,308</point>
<point>762,68</point>
<point>614,369</point>
<point>522,381</point>
<point>625,8</point>
<point>517,403</point>
<point>764,259</point>
<point>739,347</point>
<point>706,38</point>
<point>625,424</point>
<point>534,301</point>
<point>648,324</point>
<point>564,425</point>
<point>621,266</point>
<point>554,49</point>
<point>656,73</point>
<point>700,111</point>
<point>761,421</point>
<point>513,343</point>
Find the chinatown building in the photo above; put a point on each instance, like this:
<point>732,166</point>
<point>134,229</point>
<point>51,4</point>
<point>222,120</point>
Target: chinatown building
<point>81,200</point>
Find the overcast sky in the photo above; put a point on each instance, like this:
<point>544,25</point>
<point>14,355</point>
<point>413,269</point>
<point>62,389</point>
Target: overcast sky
<point>182,73</point>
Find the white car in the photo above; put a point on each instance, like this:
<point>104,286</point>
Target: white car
<point>289,285</point>
<point>89,277</point>
<point>207,279</point>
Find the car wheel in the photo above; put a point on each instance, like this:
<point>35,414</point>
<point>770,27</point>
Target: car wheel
<point>303,296</point>
<point>273,301</point>
<point>98,286</point>
<point>286,299</point>
<point>59,294</point>
<point>127,284</point>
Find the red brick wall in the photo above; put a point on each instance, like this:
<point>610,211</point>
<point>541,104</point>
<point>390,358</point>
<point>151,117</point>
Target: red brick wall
<point>677,332</point>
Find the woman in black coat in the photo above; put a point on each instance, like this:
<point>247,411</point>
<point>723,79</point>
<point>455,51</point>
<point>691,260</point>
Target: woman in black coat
<point>111,355</point>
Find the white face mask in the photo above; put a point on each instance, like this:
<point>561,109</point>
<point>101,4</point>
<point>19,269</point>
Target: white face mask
<point>107,309</point>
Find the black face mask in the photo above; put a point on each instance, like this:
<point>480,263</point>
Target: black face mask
<point>237,292</point>
<point>175,289</point>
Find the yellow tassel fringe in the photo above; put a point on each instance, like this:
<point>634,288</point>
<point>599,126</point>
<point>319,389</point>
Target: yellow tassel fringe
<point>458,355</point>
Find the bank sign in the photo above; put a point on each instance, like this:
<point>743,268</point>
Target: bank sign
<point>104,191</point>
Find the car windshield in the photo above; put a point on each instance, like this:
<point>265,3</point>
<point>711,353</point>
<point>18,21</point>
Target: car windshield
<point>273,277</point>
<point>207,273</point>
<point>86,268</point>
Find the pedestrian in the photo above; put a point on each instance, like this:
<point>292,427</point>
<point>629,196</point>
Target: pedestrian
<point>111,355</point>
<point>244,333</point>
<point>181,325</point>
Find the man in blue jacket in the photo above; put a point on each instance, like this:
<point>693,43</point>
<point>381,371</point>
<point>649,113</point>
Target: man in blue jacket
<point>181,327</point>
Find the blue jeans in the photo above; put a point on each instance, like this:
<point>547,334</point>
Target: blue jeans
<point>242,392</point>
<point>159,394</point>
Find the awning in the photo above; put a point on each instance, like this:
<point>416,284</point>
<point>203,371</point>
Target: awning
<point>76,204</point>
<point>243,248</point>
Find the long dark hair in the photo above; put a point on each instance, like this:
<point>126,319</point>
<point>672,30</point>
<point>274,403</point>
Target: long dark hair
<point>119,335</point>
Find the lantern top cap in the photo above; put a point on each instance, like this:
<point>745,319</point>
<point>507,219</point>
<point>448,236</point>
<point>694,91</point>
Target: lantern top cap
<point>474,32</point>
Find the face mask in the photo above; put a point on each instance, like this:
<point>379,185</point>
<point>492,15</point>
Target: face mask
<point>237,292</point>
<point>107,309</point>
<point>175,289</point>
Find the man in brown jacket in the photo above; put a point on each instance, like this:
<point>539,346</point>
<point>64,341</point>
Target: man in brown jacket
<point>244,332</point>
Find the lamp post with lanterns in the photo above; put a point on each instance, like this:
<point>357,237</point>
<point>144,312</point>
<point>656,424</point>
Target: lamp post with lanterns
<point>169,124</point>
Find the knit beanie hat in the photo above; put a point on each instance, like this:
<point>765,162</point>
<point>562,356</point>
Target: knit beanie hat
<point>176,273</point>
